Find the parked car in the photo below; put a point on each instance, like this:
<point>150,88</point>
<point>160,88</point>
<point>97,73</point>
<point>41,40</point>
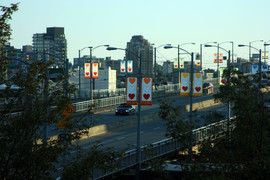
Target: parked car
<point>125,109</point>
<point>207,85</point>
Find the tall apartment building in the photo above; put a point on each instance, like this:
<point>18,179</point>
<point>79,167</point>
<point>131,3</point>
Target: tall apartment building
<point>140,45</point>
<point>51,45</point>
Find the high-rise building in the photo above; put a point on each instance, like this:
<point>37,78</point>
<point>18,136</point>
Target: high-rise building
<point>140,45</point>
<point>51,45</point>
<point>167,67</point>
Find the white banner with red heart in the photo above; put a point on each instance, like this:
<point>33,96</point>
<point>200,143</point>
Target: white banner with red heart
<point>130,67</point>
<point>197,84</point>
<point>123,67</point>
<point>147,91</point>
<point>131,94</point>
<point>87,70</point>
<point>184,87</point>
<point>94,70</point>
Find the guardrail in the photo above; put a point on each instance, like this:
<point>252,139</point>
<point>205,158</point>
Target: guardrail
<point>166,146</point>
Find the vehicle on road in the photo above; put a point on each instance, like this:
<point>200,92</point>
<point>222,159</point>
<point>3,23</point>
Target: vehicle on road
<point>207,85</point>
<point>125,109</point>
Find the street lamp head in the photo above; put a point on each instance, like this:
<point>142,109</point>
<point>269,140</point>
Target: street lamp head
<point>90,47</point>
<point>106,45</point>
<point>266,44</point>
<point>168,47</point>
<point>208,45</point>
<point>111,48</point>
<point>241,45</point>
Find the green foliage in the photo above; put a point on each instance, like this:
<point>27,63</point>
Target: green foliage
<point>28,112</point>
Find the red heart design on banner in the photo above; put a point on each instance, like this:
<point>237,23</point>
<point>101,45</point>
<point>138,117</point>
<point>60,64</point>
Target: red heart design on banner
<point>87,65</point>
<point>146,96</point>
<point>129,69</point>
<point>123,70</point>
<point>254,77</point>
<point>182,65</point>
<point>185,88</point>
<point>146,80</point>
<point>197,89</point>
<point>175,65</point>
<point>223,81</point>
<point>87,73</point>
<point>131,96</point>
<point>95,73</point>
<point>131,80</point>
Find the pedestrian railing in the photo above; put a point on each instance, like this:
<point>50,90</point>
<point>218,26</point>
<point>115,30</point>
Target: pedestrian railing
<point>167,146</point>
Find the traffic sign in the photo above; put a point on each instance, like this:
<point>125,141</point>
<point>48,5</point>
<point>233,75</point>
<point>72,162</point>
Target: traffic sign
<point>68,110</point>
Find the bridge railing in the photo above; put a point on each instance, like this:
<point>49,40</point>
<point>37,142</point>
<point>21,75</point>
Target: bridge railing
<point>168,145</point>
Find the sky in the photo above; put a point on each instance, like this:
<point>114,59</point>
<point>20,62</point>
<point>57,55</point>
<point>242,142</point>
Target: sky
<point>176,22</point>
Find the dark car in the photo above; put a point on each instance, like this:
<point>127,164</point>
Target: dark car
<point>125,109</point>
<point>208,85</point>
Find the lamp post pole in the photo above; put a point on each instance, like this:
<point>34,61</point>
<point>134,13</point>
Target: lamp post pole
<point>251,47</point>
<point>138,154</point>
<point>201,59</point>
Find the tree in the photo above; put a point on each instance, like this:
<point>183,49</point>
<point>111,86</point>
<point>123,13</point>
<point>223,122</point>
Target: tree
<point>28,111</point>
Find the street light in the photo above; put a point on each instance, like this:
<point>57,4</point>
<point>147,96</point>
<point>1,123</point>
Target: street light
<point>178,55</point>
<point>191,86</point>
<point>139,108</point>
<point>80,68</point>
<point>228,67</point>
<point>155,49</point>
<point>251,47</point>
<point>201,51</point>
<point>91,86</point>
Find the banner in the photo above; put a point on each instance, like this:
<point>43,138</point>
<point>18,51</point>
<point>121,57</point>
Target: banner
<point>87,70</point>
<point>147,91</point>
<point>94,70</point>
<point>184,90</point>
<point>131,93</point>
<point>198,63</point>
<point>197,84</point>
<point>175,63</point>
<point>130,67</point>
<point>123,67</point>
<point>265,54</point>
<point>255,73</point>
<point>220,58</point>
<point>182,63</point>
<point>222,80</point>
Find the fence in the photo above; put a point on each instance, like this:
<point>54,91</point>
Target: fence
<point>169,145</point>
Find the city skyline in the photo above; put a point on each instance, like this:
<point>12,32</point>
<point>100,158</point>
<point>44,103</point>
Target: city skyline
<point>92,23</point>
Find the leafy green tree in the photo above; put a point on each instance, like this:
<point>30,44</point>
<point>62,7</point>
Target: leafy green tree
<point>29,111</point>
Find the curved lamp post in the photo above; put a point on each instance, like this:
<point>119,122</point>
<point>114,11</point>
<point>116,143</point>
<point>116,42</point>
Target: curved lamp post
<point>178,55</point>
<point>91,85</point>
<point>191,85</point>
<point>251,47</point>
<point>155,49</point>
<point>80,50</point>
<point>228,66</point>
<point>139,108</point>
<point>265,44</point>
<point>201,50</point>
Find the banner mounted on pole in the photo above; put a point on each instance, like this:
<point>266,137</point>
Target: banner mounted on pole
<point>131,93</point>
<point>130,67</point>
<point>147,91</point>
<point>94,70</point>
<point>182,66</point>
<point>175,63</point>
<point>198,84</point>
<point>123,67</point>
<point>184,90</point>
<point>220,58</point>
<point>87,70</point>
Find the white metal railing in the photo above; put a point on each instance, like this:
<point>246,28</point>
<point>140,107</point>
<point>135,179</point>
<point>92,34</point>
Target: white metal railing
<point>168,145</point>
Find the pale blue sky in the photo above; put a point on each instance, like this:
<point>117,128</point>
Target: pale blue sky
<point>114,22</point>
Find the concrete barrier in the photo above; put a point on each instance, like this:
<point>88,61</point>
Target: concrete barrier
<point>131,122</point>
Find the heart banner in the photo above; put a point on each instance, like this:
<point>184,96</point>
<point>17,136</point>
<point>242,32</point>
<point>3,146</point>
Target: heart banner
<point>94,70</point>
<point>184,87</point>
<point>131,93</point>
<point>87,70</point>
<point>130,67</point>
<point>147,91</point>
<point>175,63</point>
<point>198,84</point>
<point>123,67</point>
